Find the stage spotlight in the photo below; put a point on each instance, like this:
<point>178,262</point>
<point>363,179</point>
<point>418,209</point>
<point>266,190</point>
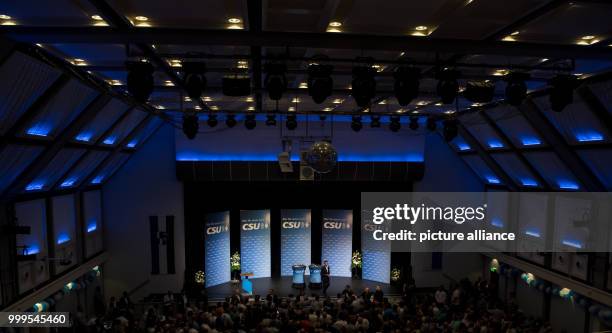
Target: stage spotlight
<point>291,122</point>
<point>250,122</point>
<point>191,125</point>
<point>236,85</point>
<point>140,80</point>
<point>406,86</point>
<point>431,123</point>
<point>414,123</point>
<point>320,82</point>
<point>516,90</point>
<point>394,124</point>
<point>275,81</point>
<point>212,120</point>
<point>562,92</point>
<point>448,87</point>
<point>363,85</point>
<point>195,81</point>
<point>271,120</point>
<point>375,121</point>
<point>230,121</point>
<point>479,91</point>
<point>450,129</point>
<point>356,124</point>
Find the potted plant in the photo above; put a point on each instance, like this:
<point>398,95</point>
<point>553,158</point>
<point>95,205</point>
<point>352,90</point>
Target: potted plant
<point>235,266</point>
<point>396,275</point>
<point>356,265</point>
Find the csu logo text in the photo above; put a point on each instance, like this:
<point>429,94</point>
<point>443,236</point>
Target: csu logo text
<point>254,226</point>
<point>335,225</point>
<point>294,225</point>
<point>371,227</point>
<point>214,230</point>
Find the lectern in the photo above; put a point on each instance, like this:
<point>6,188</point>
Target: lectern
<point>315,276</point>
<point>298,276</point>
<point>247,286</point>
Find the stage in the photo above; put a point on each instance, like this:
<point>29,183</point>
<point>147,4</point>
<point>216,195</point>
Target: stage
<point>282,287</point>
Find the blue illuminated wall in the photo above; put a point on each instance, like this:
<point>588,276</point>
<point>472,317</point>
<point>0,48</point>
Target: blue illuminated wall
<point>255,254</point>
<point>376,264</point>
<point>295,239</point>
<point>338,241</point>
<point>217,258</point>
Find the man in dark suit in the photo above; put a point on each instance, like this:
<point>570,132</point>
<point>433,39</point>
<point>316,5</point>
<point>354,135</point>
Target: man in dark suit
<point>325,273</point>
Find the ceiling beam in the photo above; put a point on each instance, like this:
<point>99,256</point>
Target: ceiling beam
<point>489,161</point>
<point>556,141</point>
<point>68,133</point>
<point>117,150</point>
<point>184,36</point>
<point>516,151</point>
<point>596,106</point>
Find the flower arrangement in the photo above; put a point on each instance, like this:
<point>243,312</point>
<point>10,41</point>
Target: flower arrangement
<point>396,274</point>
<point>356,260</point>
<point>235,261</point>
<point>200,277</point>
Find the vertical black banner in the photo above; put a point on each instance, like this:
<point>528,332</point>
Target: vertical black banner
<point>154,245</point>
<point>171,269</point>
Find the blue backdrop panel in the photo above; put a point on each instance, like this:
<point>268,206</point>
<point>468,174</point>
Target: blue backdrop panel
<point>338,241</point>
<point>217,258</point>
<point>376,264</point>
<point>255,242</point>
<point>295,239</point>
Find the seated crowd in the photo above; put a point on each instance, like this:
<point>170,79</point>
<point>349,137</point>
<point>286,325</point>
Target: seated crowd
<point>469,307</point>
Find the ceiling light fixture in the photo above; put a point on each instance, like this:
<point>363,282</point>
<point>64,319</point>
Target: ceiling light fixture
<point>356,124</point>
<point>406,85</point>
<point>375,121</point>
<point>320,83</point>
<point>97,18</point>
<point>4,17</point>
<point>141,18</point>
<point>291,122</point>
<point>275,81</point>
<point>191,125</point>
<point>335,24</point>
<point>363,85</point>
<point>195,81</point>
<point>140,80</point>
<point>394,124</point>
<point>447,87</point>
<point>421,28</point>
<point>250,122</point>
<point>234,20</point>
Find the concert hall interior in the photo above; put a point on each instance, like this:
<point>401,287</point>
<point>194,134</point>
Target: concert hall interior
<point>218,165</point>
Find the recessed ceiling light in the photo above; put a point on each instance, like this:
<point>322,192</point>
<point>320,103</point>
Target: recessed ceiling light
<point>8,23</point>
<point>251,108</point>
<point>97,18</point>
<point>249,99</point>
<point>327,109</point>
<point>509,39</point>
<point>421,103</point>
<point>39,45</point>
<point>78,62</point>
<point>141,18</point>
<point>337,101</point>
<point>4,17</point>
<point>169,83</point>
<point>515,33</point>
<point>400,111</point>
<point>335,24</point>
<point>421,28</point>
<point>197,107</point>
<point>449,111</point>
<point>500,72</point>
<point>383,102</point>
<point>235,27</point>
<point>295,100</point>
<point>438,104</point>
<point>214,107</point>
<point>234,20</point>
<point>114,82</point>
<point>415,112</point>
<point>419,34</point>
<point>187,99</point>
<point>588,37</point>
<point>100,24</point>
<point>207,99</point>
<point>333,30</point>
<point>291,108</point>
<point>303,85</point>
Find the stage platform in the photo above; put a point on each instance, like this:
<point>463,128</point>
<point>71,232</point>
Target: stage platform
<point>282,287</point>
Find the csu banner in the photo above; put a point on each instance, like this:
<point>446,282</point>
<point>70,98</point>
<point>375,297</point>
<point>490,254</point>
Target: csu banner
<point>376,264</point>
<point>295,239</point>
<point>338,241</point>
<point>255,242</point>
<point>217,255</point>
